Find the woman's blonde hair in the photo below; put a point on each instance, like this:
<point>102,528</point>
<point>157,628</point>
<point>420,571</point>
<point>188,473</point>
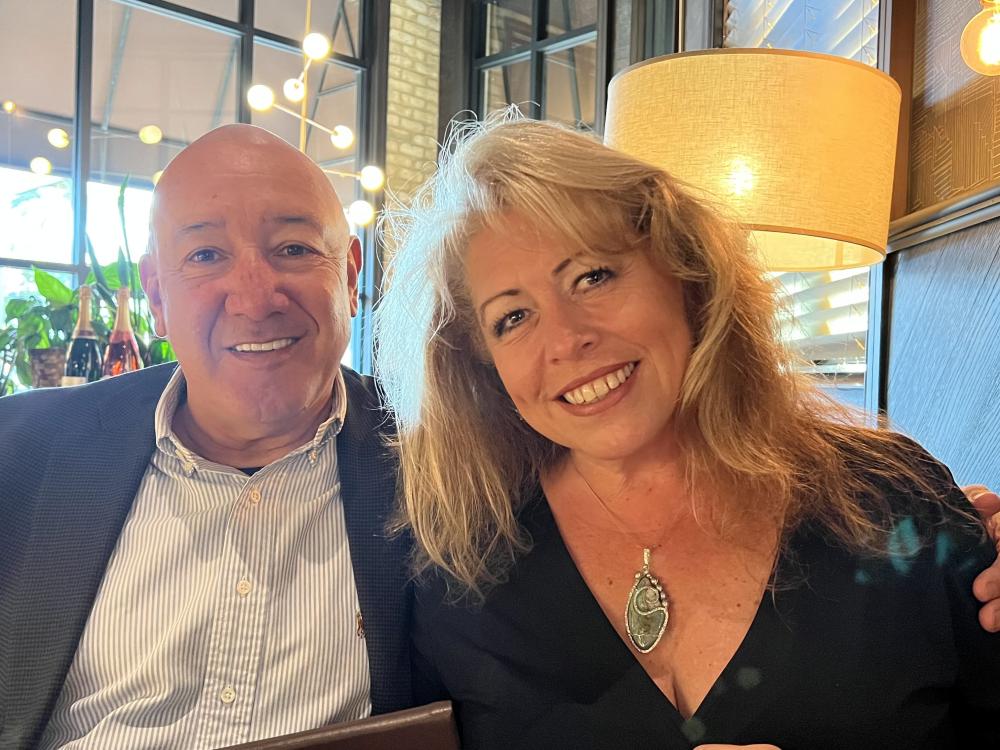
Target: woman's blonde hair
<point>750,426</point>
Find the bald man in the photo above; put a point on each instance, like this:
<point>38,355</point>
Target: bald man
<point>195,556</point>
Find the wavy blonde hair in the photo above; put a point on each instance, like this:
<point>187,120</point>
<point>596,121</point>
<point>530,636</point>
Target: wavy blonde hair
<point>749,425</point>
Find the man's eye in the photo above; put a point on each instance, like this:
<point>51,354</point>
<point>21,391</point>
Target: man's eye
<point>204,255</point>
<point>509,321</point>
<point>294,250</point>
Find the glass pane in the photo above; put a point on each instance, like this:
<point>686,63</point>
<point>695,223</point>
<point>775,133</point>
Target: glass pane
<point>566,15</point>
<point>148,103</point>
<point>37,69</point>
<point>825,316</point>
<point>228,9</point>
<point>508,25</point>
<point>331,100</point>
<point>848,28</point>
<point>507,84</point>
<point>570,85</point>
<point>339,20</point>
<point>20,282</point>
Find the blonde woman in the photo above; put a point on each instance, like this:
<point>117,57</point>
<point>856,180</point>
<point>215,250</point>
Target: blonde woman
<point>637,526</point>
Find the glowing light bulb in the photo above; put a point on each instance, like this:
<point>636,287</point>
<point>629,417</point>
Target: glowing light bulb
<point>150,135</point>
<point>157,175</point>
<point>360,213</point>
<point>316,46</point>
<point>294,90</point>
<point>260,97</point>
<point>342,137</point>
<point>40,165</point>
<point>980,43</point>
<point>372,178</point>
<point>740,179</point>
<point>9,106</point>
<point>58,137</point>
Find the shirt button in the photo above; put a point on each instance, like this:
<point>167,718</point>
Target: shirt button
<point>228,694</point>
<point>254,495</point>
<point>244,587</point>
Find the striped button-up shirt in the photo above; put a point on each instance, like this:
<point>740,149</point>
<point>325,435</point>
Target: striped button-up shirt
<point>228,611</point>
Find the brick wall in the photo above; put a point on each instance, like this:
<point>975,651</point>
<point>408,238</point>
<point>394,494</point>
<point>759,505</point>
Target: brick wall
<point>412,106</point>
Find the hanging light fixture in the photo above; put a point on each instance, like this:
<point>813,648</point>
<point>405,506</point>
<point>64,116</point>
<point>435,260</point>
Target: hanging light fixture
<point>261,98</point>
<point>980,43</point>
<point>801,146</point>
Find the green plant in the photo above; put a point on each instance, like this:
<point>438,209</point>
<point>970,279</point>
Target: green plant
<point>8,350</point>
<point>39,322</point>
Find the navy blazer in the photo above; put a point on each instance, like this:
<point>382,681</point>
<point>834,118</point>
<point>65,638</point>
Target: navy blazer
<point>71,460</point>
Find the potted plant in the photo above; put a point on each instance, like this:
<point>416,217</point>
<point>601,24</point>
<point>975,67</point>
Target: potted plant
<point>42,326</point>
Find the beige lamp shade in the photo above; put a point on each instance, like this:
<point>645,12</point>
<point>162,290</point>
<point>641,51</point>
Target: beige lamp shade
<point>801,146</point>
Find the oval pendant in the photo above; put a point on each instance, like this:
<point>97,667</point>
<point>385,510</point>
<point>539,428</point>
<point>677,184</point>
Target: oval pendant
<point>646,612</point>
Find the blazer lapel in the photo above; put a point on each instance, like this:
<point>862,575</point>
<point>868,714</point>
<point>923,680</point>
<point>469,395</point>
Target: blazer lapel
<point>91,477</point>
<point>367,469</point>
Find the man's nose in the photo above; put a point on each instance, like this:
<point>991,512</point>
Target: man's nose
<point>255,289</point>
<point>569,332</point>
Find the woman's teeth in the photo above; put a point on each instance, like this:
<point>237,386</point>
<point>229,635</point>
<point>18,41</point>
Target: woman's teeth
<point>599,387</point>
<point>264,346</point>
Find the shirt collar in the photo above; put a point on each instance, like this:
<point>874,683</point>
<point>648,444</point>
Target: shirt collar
<point>176,390</point>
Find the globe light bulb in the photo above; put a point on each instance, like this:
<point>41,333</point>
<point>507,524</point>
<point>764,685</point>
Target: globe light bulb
<point>58,137</point>
<point>360,213</point>
<point>41,165</point>
<point>260,97</point>
<point>294,90</point>
<point>372,178</point>
<point>157,175</point>
<point>980,43</point>
<point>342,137</point>
<point>316,46</point>
<point>9,106</point>
<point>150,135</point>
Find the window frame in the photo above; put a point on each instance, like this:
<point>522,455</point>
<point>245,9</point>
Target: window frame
<point>535,52</point>
<point>372,67</point>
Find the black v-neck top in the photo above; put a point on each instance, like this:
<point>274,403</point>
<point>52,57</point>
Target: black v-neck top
<point>865,652</point>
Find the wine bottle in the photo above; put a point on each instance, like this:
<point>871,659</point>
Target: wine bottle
<point>83,363</point>
<point>122,354</point>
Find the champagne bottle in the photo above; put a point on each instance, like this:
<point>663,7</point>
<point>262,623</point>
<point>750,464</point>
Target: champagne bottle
<point>122,354</point>
<point>83,363</point>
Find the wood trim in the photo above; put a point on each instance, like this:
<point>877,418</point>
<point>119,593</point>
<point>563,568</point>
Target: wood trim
<point>897,61</point>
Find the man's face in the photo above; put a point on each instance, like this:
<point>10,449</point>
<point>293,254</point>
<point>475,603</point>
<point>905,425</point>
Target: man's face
<point>253,279</point>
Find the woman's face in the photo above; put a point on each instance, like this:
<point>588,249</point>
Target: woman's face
<point>592,350</point>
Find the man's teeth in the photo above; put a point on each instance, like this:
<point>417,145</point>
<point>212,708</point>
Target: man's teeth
<point>264,346</point>
<point>599,387</point>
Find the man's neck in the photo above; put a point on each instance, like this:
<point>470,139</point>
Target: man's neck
<point>243,444</point>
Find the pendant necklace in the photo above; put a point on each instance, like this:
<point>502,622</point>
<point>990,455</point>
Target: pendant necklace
<point>646,611</point>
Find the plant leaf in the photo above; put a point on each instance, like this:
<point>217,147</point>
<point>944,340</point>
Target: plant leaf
<point>121,218</point>
<point>123,268</point>
<point>52,289</point>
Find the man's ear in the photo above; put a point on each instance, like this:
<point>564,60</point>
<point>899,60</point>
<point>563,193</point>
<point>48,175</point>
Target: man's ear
<point>150,278</point>
<point>353,272</point>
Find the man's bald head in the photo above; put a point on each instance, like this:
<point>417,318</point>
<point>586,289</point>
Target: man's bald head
<point>241,151</point>
<point>254,280</point>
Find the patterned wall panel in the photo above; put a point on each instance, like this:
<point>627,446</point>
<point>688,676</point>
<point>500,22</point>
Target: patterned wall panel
<point>944,355</point>
<point>955,139</point>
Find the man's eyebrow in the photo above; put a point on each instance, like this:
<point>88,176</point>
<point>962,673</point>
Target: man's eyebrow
<point>200,225</point>
<point>304,219</point>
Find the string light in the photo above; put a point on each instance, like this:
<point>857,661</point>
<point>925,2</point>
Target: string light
<point>316,46</point>
<point>342,137</point>
<point>40,165</point>
<point>150,135</point>
<point>980,43</point>
<point>58,138</point>
<point>9,106</point>
<point>360,213</point>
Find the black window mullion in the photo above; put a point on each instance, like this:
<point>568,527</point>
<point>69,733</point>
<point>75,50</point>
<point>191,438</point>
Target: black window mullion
<point>602,74</point>
<point>537,95</point>
<point>81,133</point>
<point>245,73</point>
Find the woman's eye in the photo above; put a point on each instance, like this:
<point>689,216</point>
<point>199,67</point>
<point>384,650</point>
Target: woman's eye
<point>508,322</point>
<point>294,250</point>
<point>594,277</point>
<point>204,255</point>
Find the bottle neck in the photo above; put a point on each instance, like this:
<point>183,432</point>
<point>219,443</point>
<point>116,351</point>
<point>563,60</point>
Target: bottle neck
<point>123,321</point>
<point>84,329</point>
